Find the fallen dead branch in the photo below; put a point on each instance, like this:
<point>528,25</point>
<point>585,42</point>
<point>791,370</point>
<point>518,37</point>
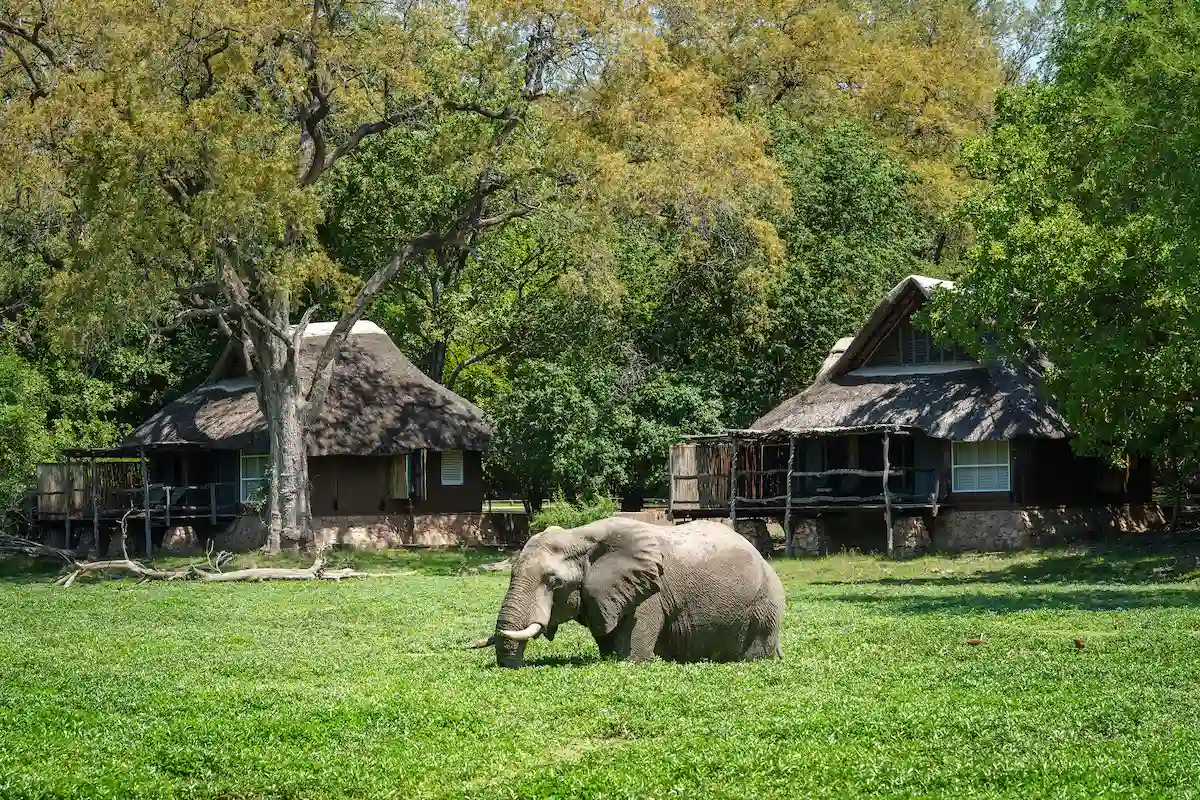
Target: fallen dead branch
<point>11,544</point>
<point>210,570</point>
<point>496,566</point>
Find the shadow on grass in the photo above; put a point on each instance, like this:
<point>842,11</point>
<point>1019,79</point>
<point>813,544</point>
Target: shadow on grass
<point>21,570</point>
<point>1100,564</point>
<point>449,561</point>
<point>1017,601</point>
<point>564,661</point>
<point>444,562</point>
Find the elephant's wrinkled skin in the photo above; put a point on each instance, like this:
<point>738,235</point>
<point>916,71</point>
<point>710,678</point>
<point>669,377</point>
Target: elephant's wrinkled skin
<point>690,592</point>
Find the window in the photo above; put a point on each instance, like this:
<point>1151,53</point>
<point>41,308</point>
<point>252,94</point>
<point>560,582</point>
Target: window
<point>980,466</point>
<point>907,346</point>
<point>254,475</point>
<point>452,468</point>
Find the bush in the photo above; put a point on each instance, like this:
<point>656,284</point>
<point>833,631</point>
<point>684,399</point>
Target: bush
<point>570,515</point>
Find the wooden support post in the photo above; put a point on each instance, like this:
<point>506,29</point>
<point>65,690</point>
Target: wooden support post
<point>145,495</point>
<point>733,462</point>
<point>167,507</point>
<point>787,508</point>
<point>887,498</point>
<point>212,503</point>
<point>96,509</point>
<point>70,502</point>
<point>937,491</point>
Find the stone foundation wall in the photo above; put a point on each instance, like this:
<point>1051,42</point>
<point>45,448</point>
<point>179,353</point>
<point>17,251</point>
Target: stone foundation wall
<point>375,532</point>
<point>910,537</point>
<point>1018,529</point>
<point>808,536</point>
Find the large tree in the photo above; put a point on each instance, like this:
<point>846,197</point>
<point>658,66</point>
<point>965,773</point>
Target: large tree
<point>182,148</point>
<point>1089,235</point>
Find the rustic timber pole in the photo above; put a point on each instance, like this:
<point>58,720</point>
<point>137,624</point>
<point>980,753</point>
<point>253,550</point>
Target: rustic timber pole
<point>70,503</point>
<point>887,498</point>
<point>145,494</point>
<point>787,507</point>
<point>96,508</point>
<point>212,503</point>
<point>733,460</point>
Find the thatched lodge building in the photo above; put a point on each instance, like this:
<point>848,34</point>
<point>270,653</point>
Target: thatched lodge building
<point>394,457</point>
<point>901,445</point>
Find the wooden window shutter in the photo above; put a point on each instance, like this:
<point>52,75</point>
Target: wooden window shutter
<point>452,468</point>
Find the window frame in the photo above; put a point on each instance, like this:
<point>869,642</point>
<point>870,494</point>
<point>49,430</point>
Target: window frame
<point>243,480</point>
<point>462,468</point>
<point>955,467</point>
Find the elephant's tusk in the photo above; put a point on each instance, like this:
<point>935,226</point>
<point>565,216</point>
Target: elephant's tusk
<point>488,642</point>
<point>523,635</point>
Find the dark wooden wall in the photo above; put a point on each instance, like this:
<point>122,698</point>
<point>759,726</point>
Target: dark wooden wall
<point>359,485</point>
<point>452,499</point>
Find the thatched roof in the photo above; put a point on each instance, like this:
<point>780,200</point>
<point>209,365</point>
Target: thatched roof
<point>379,403</point>
<point>964,402</point>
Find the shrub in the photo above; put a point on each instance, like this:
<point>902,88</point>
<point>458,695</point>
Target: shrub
<point>572,515</point>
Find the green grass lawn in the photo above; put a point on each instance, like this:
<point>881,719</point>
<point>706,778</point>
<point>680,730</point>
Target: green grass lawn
<point>360,689</point>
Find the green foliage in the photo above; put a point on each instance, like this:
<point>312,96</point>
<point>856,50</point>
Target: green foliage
<point>24,440</point>
<point>588,430</point>
<point>552,433</point>
<point>651,416</point>
<point>571,515</point>
<point>755,335</point>
<point>1088,236</point>
<point>283,690</point>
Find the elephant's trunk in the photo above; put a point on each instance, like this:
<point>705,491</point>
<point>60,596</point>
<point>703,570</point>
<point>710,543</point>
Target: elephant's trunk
<point>514,616</point>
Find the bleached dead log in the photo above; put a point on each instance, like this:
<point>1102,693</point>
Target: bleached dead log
<point>316,572</point>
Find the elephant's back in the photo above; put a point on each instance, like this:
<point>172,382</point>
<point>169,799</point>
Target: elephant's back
<point>725,579</point>
<point>702,540</point>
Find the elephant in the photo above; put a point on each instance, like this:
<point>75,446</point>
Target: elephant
<point>692,592</point>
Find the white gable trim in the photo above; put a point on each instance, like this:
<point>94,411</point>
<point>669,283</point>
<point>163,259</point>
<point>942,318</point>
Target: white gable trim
<point>925,285</point>
<point>318,329</point>
<point>913,369</point>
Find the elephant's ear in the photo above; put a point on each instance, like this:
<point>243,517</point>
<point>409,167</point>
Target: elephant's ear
<point>625,570</point>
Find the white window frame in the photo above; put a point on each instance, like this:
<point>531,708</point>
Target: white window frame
<point>956,468</point>
<point>452,479</point>
<point>243,495</point>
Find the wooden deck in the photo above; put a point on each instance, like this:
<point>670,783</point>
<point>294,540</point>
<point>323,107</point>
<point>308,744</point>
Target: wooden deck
<point>77,496</point>
<point>759,478</point>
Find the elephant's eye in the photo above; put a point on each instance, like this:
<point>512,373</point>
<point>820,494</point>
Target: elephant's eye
<point>555,582</point>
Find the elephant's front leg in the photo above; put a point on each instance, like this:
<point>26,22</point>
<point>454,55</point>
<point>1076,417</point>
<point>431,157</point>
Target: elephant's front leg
<point>636,635</point>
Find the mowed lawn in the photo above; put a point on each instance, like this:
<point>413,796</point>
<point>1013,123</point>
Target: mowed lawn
<point>361,689</point>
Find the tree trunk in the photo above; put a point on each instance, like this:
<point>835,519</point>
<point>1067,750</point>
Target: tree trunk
<point>289,519</point>
<point>435,368</point>
<point>1177,487</point>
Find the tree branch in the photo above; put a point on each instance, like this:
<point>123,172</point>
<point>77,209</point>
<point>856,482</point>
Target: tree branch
<point>32,38</point>
<point>475,359</point>
<point>323,370</point>
<point>298,333</point>
<point>193,314</point>
<point>371,129</point>
<point>239,295</point>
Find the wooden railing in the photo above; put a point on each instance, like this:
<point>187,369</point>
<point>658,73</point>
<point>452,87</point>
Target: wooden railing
<point>164,502</point>
<point>738,477</point>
